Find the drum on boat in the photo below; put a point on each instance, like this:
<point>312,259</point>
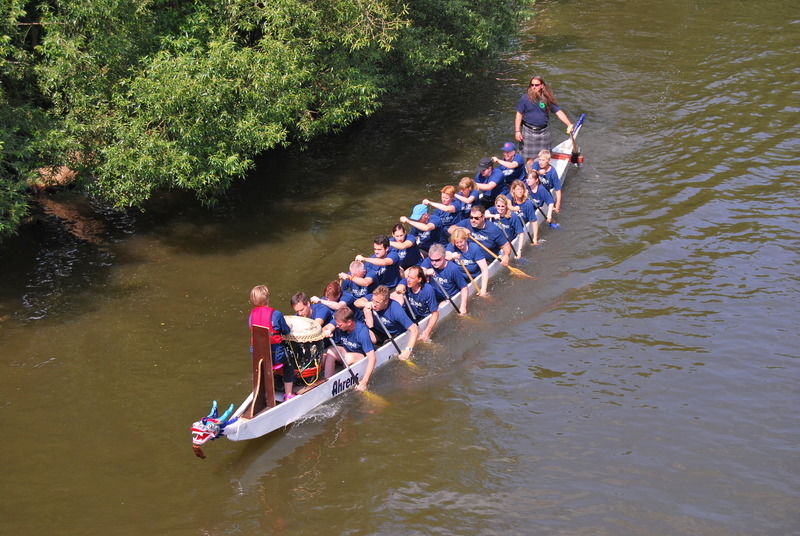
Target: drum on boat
<point>305,346</point>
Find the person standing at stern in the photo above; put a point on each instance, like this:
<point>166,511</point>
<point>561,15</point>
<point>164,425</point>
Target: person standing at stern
<point>531,122</point>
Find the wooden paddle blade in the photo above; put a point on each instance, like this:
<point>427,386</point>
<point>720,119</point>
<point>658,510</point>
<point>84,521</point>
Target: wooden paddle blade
<point>410,364</point>
<point>375,398</point>
<point>519,273</point>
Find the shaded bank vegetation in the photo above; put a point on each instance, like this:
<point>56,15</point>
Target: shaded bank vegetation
<point>141,95</point>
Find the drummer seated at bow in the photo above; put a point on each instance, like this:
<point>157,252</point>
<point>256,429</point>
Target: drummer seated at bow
<point>392,320</point>
<point>485,233</point>
<point>318,312</point>
<point>469,256</point>
<point>352,341</point>
<point>419,299</point>
<point>447,277</point>
<point>383,267</point>
<point>540,197</point>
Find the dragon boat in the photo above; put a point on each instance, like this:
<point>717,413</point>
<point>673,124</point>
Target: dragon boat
<point>264,411</point>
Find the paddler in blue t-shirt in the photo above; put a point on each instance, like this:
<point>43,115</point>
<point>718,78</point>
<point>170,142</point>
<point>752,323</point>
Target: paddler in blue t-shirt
<point>548,177</point>
<point>418,297</point>
<point>520,202</point>
<point>470,257</point>
<point>511,165</point>
<point>352,339</point>
<point>384,262</point>
<point>467,195</point>
<point>450,279</point>
<point>356,282</point>
<point>540,197</point>
<point>446,211</point>
<point>502,216</point>
<point>405,246</point>
<point>394,319</point>
<point>425,227</point>
<point>318,312</point>
<point>486,233</point>
<point>488,180</point>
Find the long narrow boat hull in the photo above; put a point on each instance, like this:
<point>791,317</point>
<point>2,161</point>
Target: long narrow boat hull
<point>294,409</point>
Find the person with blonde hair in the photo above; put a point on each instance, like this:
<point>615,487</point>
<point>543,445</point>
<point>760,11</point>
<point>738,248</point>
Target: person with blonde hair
<point>469,256</point>
<point>502,216</point>
<point>272,319</point>
<point>540,197</point>
<point>520,202</point>
<point>548,176</point>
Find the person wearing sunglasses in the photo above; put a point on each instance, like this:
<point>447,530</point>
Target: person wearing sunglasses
<point>487,233</point>
<point>532,119</point>
<point>448,278</point>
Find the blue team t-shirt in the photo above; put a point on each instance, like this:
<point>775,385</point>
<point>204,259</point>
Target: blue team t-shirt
<point>490,236</point>
<point>497,178</point>
<point>512,225</point>
<point>550,179</point>
<point>535,114</point>
<point>469,258</point>
<point>357,341</point>
<point>451,278</point>
<point>540,197</point>
<point>425,239</point>
<point>423,302</point>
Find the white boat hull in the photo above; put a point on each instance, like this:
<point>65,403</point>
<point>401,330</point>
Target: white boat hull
<point>288,412</point>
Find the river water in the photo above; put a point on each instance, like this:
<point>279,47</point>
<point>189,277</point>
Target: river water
<point>645,383</point>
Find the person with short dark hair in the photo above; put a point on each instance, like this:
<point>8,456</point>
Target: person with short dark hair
<point>318,312</point>
<point>384,263</point>
<point>486,233</point>
<point>352,337</point>
<point>488,180</point>
<point>418,296</point>
<point>391,315</point>
<point>405,246</point>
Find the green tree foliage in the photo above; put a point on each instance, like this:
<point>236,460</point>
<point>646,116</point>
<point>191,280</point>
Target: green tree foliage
<point>141,95</point>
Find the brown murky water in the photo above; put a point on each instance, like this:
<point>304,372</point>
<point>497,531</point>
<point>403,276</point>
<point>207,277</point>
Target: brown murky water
<point>645,383</point>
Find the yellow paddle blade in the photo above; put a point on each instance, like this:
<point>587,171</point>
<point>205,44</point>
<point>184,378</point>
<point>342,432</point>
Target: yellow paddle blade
<point>410,364</point>
<point>375,398</point>
<point>519,273</point>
